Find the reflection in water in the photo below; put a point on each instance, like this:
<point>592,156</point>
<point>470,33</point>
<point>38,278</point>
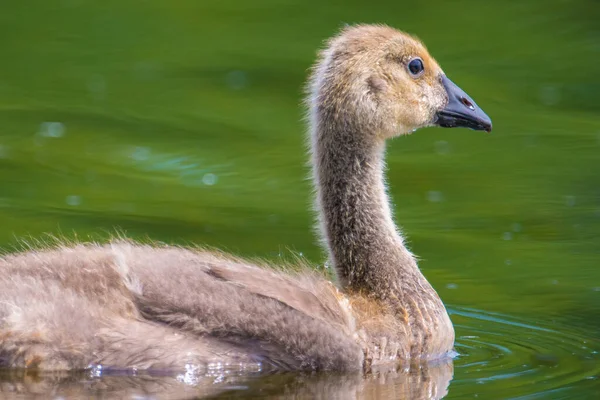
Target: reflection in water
<point>503,355</point>
<point>411,382</point>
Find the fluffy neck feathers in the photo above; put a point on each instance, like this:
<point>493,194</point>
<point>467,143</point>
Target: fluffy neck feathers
<point>356,222</point>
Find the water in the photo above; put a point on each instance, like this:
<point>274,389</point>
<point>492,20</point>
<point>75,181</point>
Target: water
<point>181,122</point>
<point>498,357</point>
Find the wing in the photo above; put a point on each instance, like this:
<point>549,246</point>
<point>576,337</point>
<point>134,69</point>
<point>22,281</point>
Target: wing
<point>291,320</point>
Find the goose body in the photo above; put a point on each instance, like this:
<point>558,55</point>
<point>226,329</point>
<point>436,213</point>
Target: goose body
<point>125,305</point>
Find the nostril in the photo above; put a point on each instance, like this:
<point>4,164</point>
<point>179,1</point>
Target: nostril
<point>467,103</point>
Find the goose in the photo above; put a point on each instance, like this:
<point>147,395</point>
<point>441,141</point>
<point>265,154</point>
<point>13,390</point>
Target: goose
<point>126,305</point>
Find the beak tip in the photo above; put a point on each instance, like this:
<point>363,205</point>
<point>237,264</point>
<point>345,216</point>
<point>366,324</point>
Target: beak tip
<point>461,110</point>
<point>488,127</point>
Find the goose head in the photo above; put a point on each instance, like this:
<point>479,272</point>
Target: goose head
<point>384,82</point>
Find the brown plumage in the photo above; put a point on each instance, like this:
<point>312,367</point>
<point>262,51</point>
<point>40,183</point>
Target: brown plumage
<point>127,305</point>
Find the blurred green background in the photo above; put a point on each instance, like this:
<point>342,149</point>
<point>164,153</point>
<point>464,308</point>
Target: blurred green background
<point>182,122</point>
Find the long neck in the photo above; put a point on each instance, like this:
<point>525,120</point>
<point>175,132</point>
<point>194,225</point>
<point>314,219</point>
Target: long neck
<point>364,244</point>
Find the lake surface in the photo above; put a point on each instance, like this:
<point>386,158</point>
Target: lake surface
<point>182,122</point>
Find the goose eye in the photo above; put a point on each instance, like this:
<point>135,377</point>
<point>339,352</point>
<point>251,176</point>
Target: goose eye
<point>415,67</point>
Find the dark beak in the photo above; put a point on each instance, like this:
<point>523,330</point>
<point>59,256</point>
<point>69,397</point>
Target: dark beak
<point>461,110</point>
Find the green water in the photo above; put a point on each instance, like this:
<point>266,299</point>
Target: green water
<point>181,121</point>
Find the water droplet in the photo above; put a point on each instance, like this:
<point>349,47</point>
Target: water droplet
<point>452,286</point>
<point>435,196</point>
<point>140,153</point>
<point>90,176</point>
<point>301,254</point>
<point>128,208</point>
<point>570,200</point>
<point>554,281</point>
<point>209,179</point>
<point>442,147</point>
<point>96,85</point>
<point>508,262</point>
<point>530,140</point>
<point>516,227</point>
<point>596,289</point>
<point>549,95</point>
<point>507,236</point>
<point>237,80</point>
<point>191,374</point>
<point>3,151</point>
<point>73,200</point>
<point>146,70</point>
<point>96,370</point>
<point>52,129</point>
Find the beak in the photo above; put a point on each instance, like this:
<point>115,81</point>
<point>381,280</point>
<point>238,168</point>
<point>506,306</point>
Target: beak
<point>461,110</point>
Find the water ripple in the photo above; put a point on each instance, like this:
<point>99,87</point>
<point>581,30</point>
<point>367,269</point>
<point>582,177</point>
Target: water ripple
<point>500,357</point>
<point>509,356</point>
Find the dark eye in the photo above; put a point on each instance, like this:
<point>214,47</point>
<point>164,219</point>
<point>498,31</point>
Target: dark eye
<point>415,67</point>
